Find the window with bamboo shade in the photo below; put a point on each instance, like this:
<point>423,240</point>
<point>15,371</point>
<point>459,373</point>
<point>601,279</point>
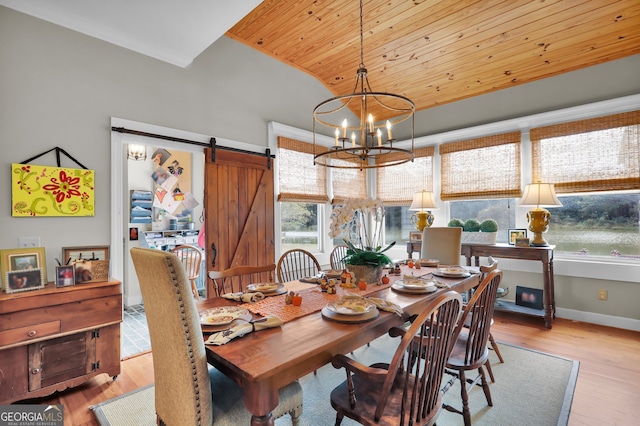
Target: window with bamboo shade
<point>598,154</point>
<point>481,168</point>
<point>299,181</point>
<point>347,183</point>
<point>396,185</point>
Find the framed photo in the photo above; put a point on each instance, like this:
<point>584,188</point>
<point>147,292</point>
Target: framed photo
<point>24,280</point>
<point>91,263</point>
<point>65,276</point>
<point>516,233</point>
<point>415,236</point>
<point>23,259</point>
<point>529,297</point>
<point>75,254</point>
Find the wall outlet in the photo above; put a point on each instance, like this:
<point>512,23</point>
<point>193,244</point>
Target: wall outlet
<point>602,294</point>
<point>28,242</point>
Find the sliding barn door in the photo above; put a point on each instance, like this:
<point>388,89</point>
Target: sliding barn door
<point>239,203</point>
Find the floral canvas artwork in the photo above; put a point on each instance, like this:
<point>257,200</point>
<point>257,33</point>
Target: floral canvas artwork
<point>38,191</point>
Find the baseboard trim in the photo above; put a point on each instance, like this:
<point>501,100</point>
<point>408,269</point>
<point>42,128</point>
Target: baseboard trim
<point>600,319</point>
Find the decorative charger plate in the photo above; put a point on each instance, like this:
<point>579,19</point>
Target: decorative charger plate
<point>453,271</point>
<point>350,306</point>
<point>222,315</point>
<point>264,287</point>
<point>425,289</point>
<point>429,262</point>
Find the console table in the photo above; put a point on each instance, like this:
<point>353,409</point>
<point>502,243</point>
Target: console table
<point>507,251</point>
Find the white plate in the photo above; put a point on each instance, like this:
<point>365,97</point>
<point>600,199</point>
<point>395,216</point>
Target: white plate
<point>452,272</point>
<point>264,287</point>
<point>422,285</point>
<point>351,306</point>
<point>222,315</point>
<point>424,290</point>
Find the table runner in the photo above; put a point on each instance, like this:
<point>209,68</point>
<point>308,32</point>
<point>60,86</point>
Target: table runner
<point>313,300</point>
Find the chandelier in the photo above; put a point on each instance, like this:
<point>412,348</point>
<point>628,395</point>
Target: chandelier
<point>368,143</point>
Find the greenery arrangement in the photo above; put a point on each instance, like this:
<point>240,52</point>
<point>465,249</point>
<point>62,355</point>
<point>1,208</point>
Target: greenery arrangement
<point>472,225</point>
<point>350,219</point>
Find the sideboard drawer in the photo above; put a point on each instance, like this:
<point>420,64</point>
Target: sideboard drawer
<point>30,332</point>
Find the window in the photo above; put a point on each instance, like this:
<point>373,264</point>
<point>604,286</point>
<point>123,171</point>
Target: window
<point>502,211</point>
<point>597,225</point>
<point>302,190</point>
<point>299,226</point>
<point>397,224</point>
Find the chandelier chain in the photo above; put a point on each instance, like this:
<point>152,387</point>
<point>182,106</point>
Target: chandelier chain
<point>361,37</point>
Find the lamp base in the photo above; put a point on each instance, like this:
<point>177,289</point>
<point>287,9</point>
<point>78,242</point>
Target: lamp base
<point>422,220</point>
<point>538,224</point>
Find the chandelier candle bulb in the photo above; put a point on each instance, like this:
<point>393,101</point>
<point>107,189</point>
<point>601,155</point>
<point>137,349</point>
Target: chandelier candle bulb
<point>370,123</point>
<point>353,139</point>
<point>389,136</point>
<point>379,138</point>
<point>344,128</point>
<point>337,135</point>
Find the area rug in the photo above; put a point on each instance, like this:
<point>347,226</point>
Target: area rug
<point>531,388</point>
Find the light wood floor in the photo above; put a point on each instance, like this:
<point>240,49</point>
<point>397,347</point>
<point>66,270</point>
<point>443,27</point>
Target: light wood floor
<point>606,392</point>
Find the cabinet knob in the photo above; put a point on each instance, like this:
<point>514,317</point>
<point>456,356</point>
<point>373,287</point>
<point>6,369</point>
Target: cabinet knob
<point>35,371</point>
<point>32,333</point>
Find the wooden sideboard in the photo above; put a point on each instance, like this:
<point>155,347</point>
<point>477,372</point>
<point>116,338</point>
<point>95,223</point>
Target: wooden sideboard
<point>55,338</point>
<point>507,251</point>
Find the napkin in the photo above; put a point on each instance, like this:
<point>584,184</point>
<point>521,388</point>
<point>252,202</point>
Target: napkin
<point>244,297</point>
<point>381,304</point>
<point>313,280</point>
<point>239,330</point>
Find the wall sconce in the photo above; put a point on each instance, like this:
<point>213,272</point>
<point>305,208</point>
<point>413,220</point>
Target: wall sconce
<point>136,152</point>
<point>422,202</point>
<point>539,195</point>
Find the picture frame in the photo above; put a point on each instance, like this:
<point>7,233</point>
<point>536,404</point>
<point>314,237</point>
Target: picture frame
<point>65,275</point>
<point>91,263</point>
<point>516,233</point>
<point>24,280</point>
<point>415,236</point>
<point>23,259</point>
<point>529,297</point>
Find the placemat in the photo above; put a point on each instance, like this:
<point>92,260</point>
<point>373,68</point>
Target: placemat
<point>313,300</point>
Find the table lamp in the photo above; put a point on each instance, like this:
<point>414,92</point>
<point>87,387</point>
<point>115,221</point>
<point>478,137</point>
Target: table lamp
<point>539,195</point>
<point>423,201</point>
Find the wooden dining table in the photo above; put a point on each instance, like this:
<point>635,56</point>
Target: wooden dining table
<point>265,361</point>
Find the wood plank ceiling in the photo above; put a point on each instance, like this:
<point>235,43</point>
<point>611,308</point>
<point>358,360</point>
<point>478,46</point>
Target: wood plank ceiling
<point>440,51</point>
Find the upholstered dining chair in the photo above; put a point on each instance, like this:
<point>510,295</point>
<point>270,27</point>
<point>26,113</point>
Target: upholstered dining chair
<point>237,278</point>
<point>337,254</point>
<point>403,391</point>
<point>442,243</point>
<point>295,264</point>
<point>191,259</point>
<point>187,390</point>
<point>470,351</point>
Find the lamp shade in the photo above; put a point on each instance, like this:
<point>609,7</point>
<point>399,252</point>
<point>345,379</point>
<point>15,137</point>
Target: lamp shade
<point>423,200</point>
<point>540,195</point>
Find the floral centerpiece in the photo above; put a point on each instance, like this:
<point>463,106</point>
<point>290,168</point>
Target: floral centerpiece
<point>360,224</point>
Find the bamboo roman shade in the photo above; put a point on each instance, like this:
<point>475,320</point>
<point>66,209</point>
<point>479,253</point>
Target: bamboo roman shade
<point>598,154</point>
<point>299,180</point>
<point>482,168</point>
<point>397,184</point>
<point>347,183</point>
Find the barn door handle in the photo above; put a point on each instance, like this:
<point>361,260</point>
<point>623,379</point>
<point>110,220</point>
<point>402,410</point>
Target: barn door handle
<point>215,254</point>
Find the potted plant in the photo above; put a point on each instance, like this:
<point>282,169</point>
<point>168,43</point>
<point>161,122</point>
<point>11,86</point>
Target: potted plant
<point>476,232</point>
<point>365,256</point>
